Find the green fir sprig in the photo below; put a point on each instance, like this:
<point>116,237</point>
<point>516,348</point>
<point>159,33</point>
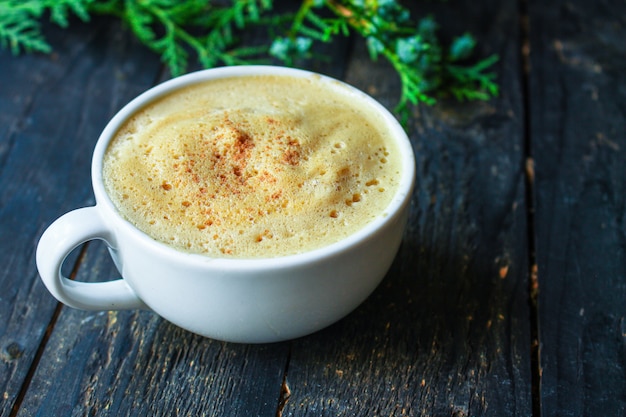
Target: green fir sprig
<point>174,29</point>
<point>208,31</point>
<point>426,69</point>
<point>20,21</point>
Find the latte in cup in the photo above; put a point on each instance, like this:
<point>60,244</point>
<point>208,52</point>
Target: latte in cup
<point>253,166</point>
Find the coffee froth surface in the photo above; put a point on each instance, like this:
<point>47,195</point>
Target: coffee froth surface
<point>253,167</point>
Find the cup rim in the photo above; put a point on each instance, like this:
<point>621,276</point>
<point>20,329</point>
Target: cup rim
<point>397,205</point>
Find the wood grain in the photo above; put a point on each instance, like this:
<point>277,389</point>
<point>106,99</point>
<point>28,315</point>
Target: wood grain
<point>448,332</point>
<point>52,111</point>
<point>578,125</point>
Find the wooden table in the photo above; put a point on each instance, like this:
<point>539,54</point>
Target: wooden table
<point>508,295</point>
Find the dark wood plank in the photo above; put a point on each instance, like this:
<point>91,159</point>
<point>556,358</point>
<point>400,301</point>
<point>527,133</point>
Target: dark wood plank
<point>447,333</point>
<point>52,110</point>
<point>578,124</point>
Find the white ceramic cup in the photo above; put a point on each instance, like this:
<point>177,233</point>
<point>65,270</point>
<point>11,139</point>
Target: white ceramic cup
<point>237,300</point>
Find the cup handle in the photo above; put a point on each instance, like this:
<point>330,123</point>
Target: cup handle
<point>56,243</point>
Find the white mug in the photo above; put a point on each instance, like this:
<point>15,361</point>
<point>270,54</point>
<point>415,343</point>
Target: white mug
<point>237,300</point>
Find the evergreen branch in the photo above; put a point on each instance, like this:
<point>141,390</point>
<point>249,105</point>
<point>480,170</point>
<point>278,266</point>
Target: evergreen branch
<point>20,22</point>
<point>416,54</point>
<point>209,31</point>
<point>170,28</point>
<point>19,34</point>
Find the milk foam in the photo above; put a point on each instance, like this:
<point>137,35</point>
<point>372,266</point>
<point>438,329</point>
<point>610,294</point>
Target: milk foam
<point>252,167</point>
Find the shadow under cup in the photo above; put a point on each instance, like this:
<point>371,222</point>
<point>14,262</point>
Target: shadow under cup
<point>237,300</point>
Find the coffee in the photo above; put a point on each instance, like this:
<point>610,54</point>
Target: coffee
<point>253,166</point>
